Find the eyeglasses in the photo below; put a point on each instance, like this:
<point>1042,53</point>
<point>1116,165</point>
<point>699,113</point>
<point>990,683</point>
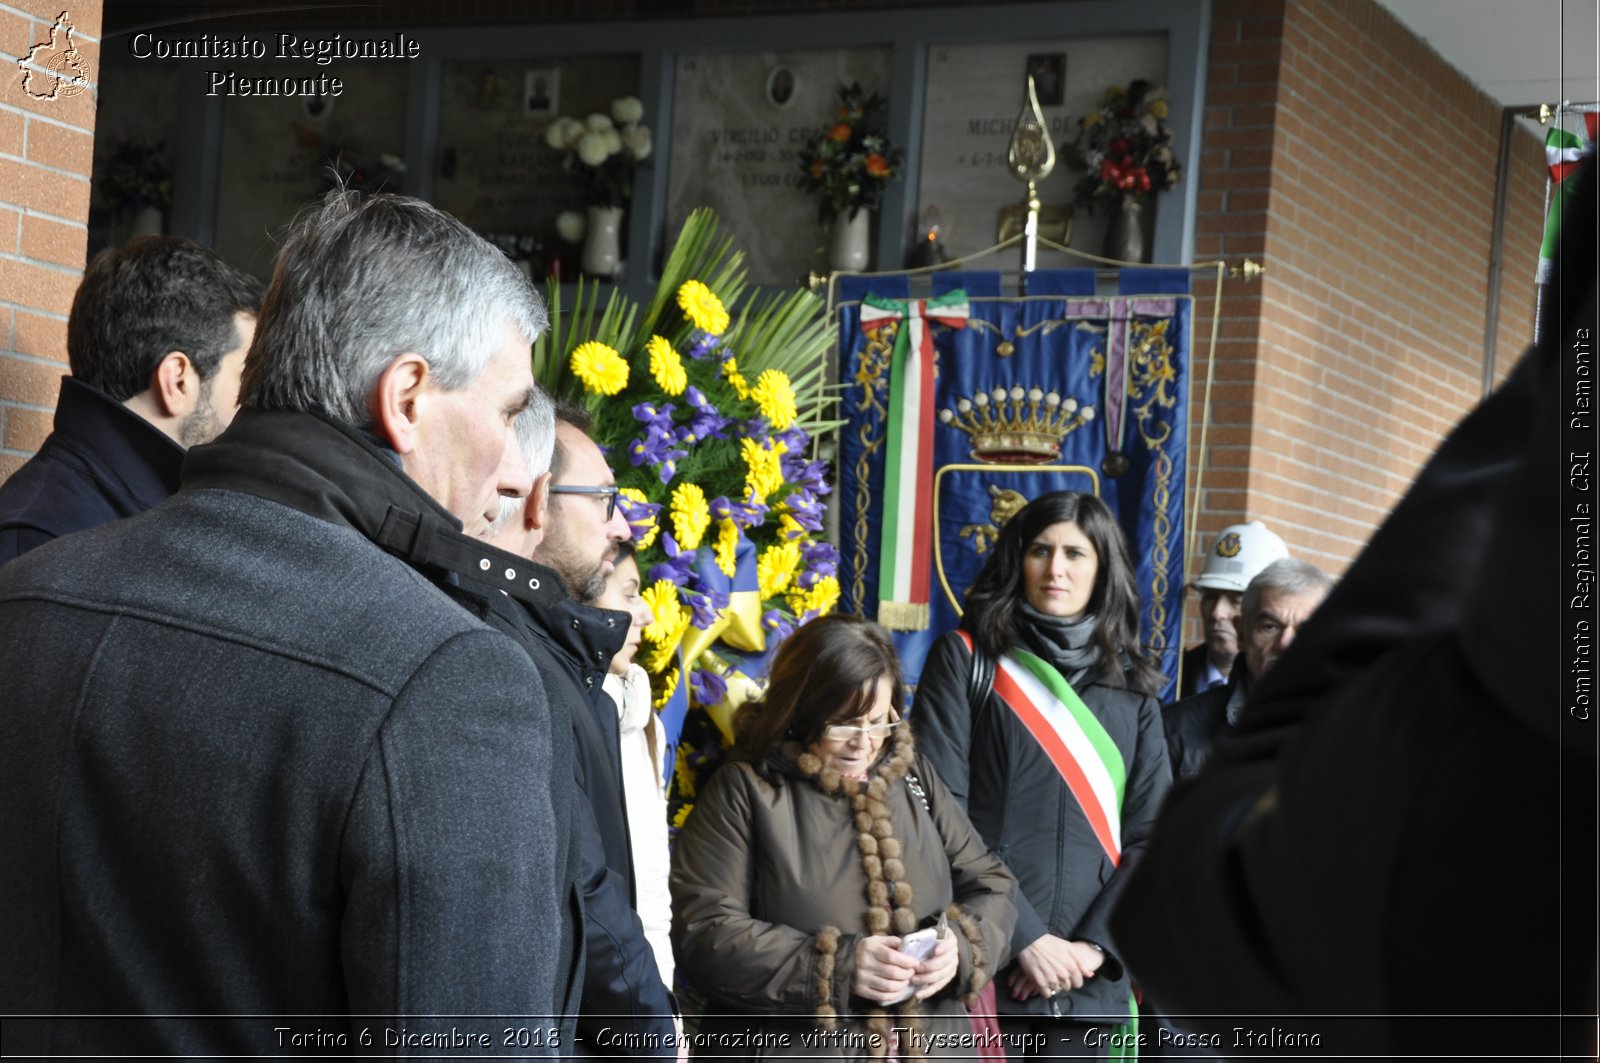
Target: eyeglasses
<point>609,493</point>
<point>843,732</point>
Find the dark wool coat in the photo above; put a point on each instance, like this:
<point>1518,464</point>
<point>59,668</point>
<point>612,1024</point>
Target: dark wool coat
<point>771,880</point>
<point>1193,723</point>
<point>623,999</point>
<point>256,766</point>
<point>1020,805</point>
<point>103,462</point>
<point>1413,782</point>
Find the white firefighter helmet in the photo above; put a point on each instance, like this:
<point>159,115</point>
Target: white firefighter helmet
<point>1241,551</point>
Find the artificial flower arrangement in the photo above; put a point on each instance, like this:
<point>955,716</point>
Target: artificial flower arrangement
<point>137,175</point>
<point>707,419</point>
<point>847,165</point>
<point>1124,147</point>
<point>604,149</point>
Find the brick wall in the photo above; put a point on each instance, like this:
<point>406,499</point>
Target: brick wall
<point>45,156</point>
<point>1360,167</point>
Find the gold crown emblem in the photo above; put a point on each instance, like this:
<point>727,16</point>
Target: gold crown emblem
<point>1228,545</point>
<point>1017,427</point>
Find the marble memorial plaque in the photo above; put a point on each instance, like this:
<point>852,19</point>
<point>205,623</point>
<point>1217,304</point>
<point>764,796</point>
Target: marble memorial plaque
<point>975,93</point>
<point>738,124</point>
<point>276,154</point>
<point>496,173</point>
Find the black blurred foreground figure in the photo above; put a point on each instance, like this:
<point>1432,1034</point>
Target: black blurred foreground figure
<point>1398,844</point>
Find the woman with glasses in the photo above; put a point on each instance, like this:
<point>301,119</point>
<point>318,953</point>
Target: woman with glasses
<point>815,853</point>
<point>1040,714</point>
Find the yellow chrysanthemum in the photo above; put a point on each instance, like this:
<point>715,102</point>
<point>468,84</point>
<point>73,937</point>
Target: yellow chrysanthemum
<point>821,598</point>
<point>690,516</point>
<point>775,568</point>
<point>789,528</point>
<point>774,396</point>
<point>683,812</point>
<point>736,380</point>
<point>642,540</point>
<point>662,598</point>
<point>728,547</point>
<point>666,686</point>
<point>601,368</point>
<point>666,366</point>
<point>763,468</point>
<point>702,307</point>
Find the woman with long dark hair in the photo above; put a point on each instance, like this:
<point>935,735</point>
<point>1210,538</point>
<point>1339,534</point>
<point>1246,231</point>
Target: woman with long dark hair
<point>812,856</point>
<point>1040,715</point>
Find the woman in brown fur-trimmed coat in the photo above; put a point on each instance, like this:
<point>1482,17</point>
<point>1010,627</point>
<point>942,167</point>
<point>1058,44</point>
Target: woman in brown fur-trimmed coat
<point>809,857</point>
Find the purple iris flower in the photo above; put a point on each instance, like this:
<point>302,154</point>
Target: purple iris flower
<point>708,687</point>
<point>779,627</point>
<point>805,509</point>
<point>706,421</point>
<point>795,439</point>
<point>678,566</point>
<point>656,448</point>
<point>748,514</point>
<point>818,560</point>
<point>647,414</point>
<point>639,515</point>
<point>705,606</point>
<point>705,345</point>
<point>809,475</point>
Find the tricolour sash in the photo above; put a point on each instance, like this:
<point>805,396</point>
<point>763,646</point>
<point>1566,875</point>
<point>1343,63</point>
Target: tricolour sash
<point>1076,743</point>
<point>906,566</point>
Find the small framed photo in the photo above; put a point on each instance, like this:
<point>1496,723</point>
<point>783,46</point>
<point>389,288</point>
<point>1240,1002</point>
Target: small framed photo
<point>1049,73</point>
<point>317,108</point>
<point>781,85</point>
<point>541,91</point>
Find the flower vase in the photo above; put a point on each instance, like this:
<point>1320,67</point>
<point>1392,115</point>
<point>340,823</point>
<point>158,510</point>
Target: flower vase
<point>1125,232</point>
<point>602,242</point>
<point>849,244</point>
<point>147,221</point>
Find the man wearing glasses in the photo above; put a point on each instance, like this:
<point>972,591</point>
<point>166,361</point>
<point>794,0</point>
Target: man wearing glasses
<point>569,525</point>
<point>580,542</point>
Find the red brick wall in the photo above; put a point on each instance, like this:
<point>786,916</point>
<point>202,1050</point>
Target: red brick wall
<point>45,152</point>
<point>1352,159</point>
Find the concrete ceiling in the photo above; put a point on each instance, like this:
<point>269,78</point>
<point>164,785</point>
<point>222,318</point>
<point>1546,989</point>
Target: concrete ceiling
<point>1520,52</point>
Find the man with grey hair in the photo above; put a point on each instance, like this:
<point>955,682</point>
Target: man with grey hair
<point>260,770</point>
<point>1276,602</point>
<point>624,1009</point>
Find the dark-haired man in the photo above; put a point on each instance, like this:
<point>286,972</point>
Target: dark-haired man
<point>156,340</point>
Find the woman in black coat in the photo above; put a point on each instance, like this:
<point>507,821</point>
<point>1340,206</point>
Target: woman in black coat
<point>1051,734</point>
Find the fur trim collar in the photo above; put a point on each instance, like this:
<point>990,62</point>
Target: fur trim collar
<point>888,894</point>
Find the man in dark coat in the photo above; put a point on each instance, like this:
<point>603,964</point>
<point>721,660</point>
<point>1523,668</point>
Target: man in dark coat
<point>260,772</point>
<point>1402,827</point>
<point>156,339</point>
<point>1277,601</point>
<point>625,1009</point>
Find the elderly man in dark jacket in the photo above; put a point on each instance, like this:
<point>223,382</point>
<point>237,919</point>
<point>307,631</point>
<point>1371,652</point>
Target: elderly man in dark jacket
<point>1276,602</point>
<point>260,772</point>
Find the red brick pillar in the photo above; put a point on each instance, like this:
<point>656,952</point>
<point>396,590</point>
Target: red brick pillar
<point>46,149</point>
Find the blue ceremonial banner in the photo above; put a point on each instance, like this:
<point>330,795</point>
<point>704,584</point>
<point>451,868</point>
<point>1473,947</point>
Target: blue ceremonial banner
<point>1059,390</point>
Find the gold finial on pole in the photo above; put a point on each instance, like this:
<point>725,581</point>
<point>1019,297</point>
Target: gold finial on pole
<point>1030,158</point>
<point>1249,270</point>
